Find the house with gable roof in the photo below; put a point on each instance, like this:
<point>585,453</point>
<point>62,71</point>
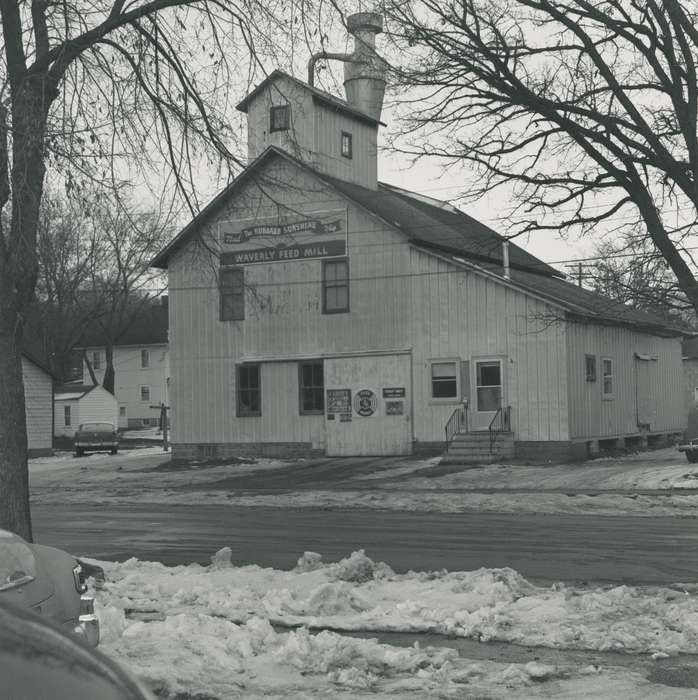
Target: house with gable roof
<point>314,308</point>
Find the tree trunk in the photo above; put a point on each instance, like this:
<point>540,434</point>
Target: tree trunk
<point>14,479</point>
<point>108,379</point>
<point>90,369</point>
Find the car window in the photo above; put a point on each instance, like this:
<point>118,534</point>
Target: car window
<point>17,564</point>
<point>98,427</point>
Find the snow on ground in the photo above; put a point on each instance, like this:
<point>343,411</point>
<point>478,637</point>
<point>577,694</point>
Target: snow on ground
<point>208,630</point>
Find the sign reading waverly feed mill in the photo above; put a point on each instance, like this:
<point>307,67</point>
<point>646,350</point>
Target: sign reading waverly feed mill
<point>293,236</point>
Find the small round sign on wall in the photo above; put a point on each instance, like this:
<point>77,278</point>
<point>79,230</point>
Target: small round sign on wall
<point>365,402</point>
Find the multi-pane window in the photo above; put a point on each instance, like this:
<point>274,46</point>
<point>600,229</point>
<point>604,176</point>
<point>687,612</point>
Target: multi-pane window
<point>444,383</point>
<point>122,411</point>
<point>280,118</point>
<point>66,415</point>
<point>311,387</point>
<point>232,294</point>
<point>145,393</point>
<point>96,360</point>
<point>249,391</point>
<point>347,145</point>
<point>145,358</point>
<point>590,367</point>
<point>607,369</point>
<point>335,286</point>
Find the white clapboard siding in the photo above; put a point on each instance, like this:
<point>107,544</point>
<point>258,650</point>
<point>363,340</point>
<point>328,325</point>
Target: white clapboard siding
<point>591,414</point>
<point>98,405</point>
<point>38,399</point>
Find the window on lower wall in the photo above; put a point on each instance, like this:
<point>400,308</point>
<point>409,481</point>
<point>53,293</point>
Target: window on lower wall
<point>590,367</point>
<point>249,390</point>
<point>145,393</point>
<point>335,286</point>
<point>232,294</point>
<point>444,379</point>
<point>66,415</point>
<point>607,377</point>
<point>311,389</point>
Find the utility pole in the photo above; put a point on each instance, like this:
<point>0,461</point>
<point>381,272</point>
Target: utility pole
<point>163,425</point>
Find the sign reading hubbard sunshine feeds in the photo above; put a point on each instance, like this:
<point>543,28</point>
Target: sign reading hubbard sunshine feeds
<point>321,234</point>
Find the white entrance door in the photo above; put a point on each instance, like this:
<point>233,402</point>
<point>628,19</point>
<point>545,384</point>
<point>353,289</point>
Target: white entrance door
<point>488,383</point>
<point>368,405</point>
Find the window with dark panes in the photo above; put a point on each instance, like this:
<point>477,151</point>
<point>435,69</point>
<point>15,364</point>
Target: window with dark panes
<point>145,358</point>
<point>96,360</point>
<point>232,293</point>
<point>335,286</point>
<point>607,369</point>
<point>66,415</point>
<point>347,145</point>
<point>280,118</point>
<point>311,387</point>
<point>590,365</point>
<point>249,391</point>
<point>444,384</point>
<point>145,393</point>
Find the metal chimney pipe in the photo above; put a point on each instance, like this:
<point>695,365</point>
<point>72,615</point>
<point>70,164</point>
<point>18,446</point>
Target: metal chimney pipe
<point>505,260</point>
<point>364,75</point>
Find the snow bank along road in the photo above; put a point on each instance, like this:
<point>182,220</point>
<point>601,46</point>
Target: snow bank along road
<point>226,632</point>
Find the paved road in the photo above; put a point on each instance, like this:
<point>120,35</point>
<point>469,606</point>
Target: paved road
<point>545,547</point>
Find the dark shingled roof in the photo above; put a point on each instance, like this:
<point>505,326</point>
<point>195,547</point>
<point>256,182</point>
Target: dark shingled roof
<point>74,389</point>
<point>439,227</point>
<point>148,328</point>
<point>321,96</point>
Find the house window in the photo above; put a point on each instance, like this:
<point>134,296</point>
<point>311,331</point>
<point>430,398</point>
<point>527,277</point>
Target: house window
<point>145,393</point>
<point>280,118</point>
<point>444,382</point>
<point>122,411</point>
<point>96,360</point>
<point>607,368</point>
<point>335,286</point>
<point>311,388</point>
<point>347,146</point>
<point>249,391</point>
<point>145,359</point>
<point>146,422</point>
<point>66,415</point>
<point>232,293</point>
<point>590,367</point>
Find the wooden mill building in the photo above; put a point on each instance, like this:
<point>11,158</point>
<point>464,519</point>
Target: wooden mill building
<point>315,308</point>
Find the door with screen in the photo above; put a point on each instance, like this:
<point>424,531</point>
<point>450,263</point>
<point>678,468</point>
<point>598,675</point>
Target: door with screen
<point>488,383</point>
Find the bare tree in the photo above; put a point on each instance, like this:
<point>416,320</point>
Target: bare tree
<point>100,90</point>
<point>584,111</point>
<point>122,283</point>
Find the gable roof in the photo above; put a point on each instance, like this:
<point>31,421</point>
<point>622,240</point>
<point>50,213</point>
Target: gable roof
<point>68,392</point>
<point>324,98</point>
<point>441,228</point>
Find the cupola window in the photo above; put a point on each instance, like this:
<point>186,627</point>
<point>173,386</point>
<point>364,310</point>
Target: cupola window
<point>347,147</point>
<point>280,118</point>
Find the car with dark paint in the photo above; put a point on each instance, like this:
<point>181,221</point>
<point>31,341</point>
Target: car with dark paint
<point>39,660</point>
<point>49,582</point>
<point>96,437</point>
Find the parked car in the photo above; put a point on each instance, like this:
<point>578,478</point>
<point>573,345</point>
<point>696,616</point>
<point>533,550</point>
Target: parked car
<point>96,437</point>
<point>691,450</point>
<point>39,660</point>
<point>49,582</point>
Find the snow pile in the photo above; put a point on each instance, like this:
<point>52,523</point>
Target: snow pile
<point>358,594</point>
<point>194,631</point>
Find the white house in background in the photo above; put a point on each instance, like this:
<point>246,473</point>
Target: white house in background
<point>141,368</point>
<point>38,406</point>
<point>78,403</point>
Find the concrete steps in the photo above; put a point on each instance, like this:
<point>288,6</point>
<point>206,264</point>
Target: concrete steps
<point>474,448</point>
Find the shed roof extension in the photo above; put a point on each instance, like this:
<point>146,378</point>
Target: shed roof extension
<point>68,392</point>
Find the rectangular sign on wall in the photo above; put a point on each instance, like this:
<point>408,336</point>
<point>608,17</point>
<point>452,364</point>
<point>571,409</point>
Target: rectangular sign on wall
<point>296,236</point>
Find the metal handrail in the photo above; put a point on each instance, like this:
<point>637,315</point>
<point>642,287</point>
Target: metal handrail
<point>456,423</point>
<point>501,426</point>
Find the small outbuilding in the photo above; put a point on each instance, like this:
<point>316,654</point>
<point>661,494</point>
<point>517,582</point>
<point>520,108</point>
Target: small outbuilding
<point>38,405</point>
<point>80,403</point>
